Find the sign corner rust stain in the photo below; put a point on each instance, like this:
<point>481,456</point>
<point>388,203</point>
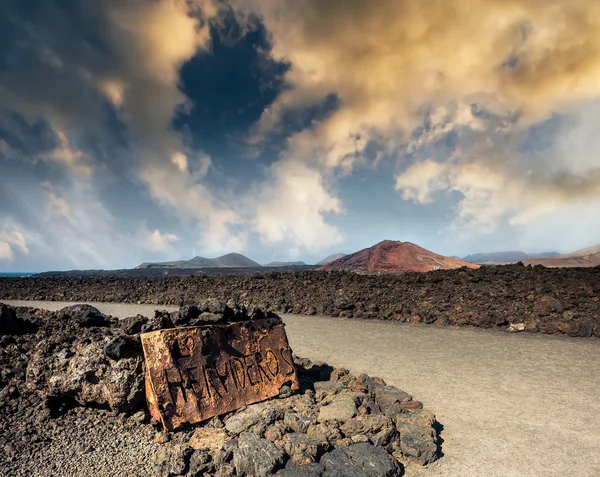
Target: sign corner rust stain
<point>195,373</point>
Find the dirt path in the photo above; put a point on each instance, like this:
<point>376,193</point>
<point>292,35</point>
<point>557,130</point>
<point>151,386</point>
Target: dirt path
<point>511,405</point>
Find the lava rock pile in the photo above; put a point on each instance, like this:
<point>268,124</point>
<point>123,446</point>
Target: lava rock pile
<point>72,403</point>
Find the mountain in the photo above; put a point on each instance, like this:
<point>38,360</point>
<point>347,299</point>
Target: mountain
<point>285,264</point>
<point>586,257</point>
<point>504,257</point>
<point>231,260</point>
<point>331,258</point>
<point>392,257</point>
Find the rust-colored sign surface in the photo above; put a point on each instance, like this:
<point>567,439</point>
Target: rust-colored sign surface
<point>195,373</point>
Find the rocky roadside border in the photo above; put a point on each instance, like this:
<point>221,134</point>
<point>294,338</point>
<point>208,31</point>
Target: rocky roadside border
<point>72,403</point>
<point>513,298</point>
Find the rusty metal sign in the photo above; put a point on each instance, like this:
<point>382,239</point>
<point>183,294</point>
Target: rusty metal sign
<point>195,373</point>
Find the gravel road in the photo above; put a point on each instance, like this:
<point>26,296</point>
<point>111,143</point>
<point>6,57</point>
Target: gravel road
<point>511,404</point>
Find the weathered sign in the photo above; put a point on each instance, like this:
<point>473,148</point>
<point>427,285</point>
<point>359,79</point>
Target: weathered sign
<point>195,373</point>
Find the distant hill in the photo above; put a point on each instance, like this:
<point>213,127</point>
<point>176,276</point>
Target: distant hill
<point>586,257</point>
<point>231,260</point>
<point>331,258</point>
<point>285,264</point>
<point>392,257</point>
<point>504,257</point>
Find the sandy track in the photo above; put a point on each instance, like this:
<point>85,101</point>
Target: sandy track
<point>511,405</point>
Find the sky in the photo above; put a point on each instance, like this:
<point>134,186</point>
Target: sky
<point>153,130</point>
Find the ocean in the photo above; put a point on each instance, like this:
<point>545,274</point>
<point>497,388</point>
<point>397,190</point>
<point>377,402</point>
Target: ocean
<point>15,274</point>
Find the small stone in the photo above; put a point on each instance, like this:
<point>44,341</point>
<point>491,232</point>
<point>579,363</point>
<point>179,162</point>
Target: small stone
<point>161,438</point>
<point>200,463</point>
<point>275,432</point>
<point>139,417</point>
<point>516,327</point>
<point>411,405</point>
<point>327,431</point>
<point>172,460</point>
<point>207,318</point>
<point>383,437</point>
<point>340,410</point>
<point>329,387</point>
<point>208,438</point>
<point>225,470</point>
<point>297,422</point>
<point>302,448</point>
<point>285,391</point>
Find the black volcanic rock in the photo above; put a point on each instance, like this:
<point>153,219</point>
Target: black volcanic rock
<point>17,324</point>
<point>509,297</point>
<point>68,390</point>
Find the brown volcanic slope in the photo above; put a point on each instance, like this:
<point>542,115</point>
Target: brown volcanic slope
<point>393,257</point>
<point>586,257</point>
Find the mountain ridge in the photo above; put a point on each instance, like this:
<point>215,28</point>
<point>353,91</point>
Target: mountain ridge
<point>230,260</point>
<point>513,256</point>
<point>330,258</point>
<point>285,264</point>
<point>585,257</point>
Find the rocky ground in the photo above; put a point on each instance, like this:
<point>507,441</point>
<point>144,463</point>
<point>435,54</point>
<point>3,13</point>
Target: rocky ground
<point>513,297</point>
<point>72,403</point>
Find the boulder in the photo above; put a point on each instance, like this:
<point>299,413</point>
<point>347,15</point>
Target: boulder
<point>420,445</point>
<point>86,316</point>
<point>83,372</point>
<point>360,460</point>
<point>262,414</point>
<point>368,424</point>
<point>255,456</point>
<point>391,400</point>
<point>132,325</point>
<point>418,438</point>
<point>122,347</point>
<point>12,322</point>
<point>309,470</point>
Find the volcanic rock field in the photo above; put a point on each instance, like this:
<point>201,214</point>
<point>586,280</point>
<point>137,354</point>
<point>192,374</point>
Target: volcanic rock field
<point>512,297</point>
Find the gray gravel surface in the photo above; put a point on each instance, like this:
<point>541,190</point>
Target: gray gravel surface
<point>511,404</point>
<point>85,443</point>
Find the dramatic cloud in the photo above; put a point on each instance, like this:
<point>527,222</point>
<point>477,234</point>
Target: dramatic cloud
<point>482,114</point>
<point>391,63</point>
<point>8,241</point>
<point>293,210</point>
<point>158,242</point>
